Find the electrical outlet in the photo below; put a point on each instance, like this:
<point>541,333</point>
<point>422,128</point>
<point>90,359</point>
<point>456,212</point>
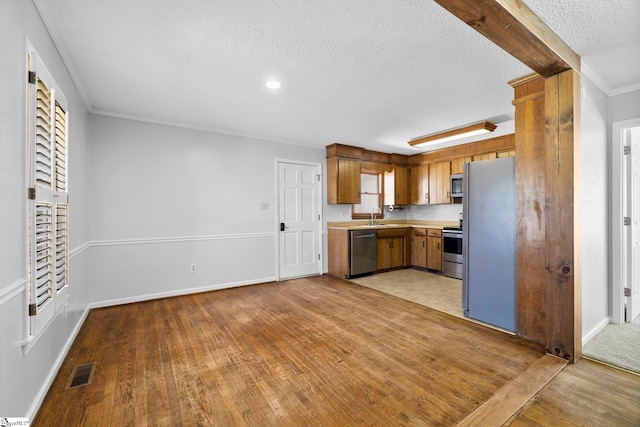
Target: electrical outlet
<point>193,268</point>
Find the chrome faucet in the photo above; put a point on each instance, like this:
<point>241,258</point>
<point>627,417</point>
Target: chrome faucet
<point>373,221</point>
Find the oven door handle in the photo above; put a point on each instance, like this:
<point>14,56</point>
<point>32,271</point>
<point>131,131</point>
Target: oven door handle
<point>452,235</point>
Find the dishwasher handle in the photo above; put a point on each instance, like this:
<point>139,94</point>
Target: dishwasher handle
<point>360,236</point>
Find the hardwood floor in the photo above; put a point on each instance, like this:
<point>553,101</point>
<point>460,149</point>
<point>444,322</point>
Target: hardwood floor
<point>312,351</point>
<point>585,394</point>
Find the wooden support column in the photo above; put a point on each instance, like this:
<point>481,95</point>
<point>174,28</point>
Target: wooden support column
<point>514,27</point>
<point>555,318</point>
<point>562,215</point>
<point>530,208</point>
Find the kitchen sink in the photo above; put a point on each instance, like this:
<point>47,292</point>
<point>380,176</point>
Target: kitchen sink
<point>382,225</point>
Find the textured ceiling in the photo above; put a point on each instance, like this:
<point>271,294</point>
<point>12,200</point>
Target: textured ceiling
<point>373,74</point>
<point>606,34</point>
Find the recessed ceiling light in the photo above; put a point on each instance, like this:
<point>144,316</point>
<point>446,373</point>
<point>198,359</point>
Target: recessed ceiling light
<point>273,84</point>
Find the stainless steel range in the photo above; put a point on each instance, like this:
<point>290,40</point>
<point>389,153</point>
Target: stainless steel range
<point>452,252</point>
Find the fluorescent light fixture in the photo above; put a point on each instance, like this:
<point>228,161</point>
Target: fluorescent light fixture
<point>456,133</point>
<point>273,84</point>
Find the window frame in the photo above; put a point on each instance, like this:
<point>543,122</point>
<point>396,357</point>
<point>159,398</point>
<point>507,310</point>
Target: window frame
<point>367,215</point>
<point>47,210</point>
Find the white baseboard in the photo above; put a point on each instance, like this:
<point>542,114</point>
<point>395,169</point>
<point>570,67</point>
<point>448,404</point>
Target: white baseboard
<point>35,406</point>
<point>593,332</point>
<point>140,298</point>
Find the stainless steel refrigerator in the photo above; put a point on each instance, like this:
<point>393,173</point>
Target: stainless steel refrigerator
<point>489,242</point>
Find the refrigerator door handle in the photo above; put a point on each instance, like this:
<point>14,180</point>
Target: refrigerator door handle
<point>465,237</point>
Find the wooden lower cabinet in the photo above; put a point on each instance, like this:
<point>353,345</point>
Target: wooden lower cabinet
<point>419,248</point>
<point>434,249</point>
<point>390,253</point>
<point>394,249</point>
<point>339,253</point>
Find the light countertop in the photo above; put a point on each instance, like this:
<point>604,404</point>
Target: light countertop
<point>390,223</point>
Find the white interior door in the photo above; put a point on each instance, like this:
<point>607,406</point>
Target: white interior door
<point>300,219</point>
<point>624,270</point>
<point>633,233</point>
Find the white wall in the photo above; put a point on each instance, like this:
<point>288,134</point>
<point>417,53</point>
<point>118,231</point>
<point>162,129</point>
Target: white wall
<point>25,377</point>
<point>165,197</point>
<point>435,212</point>
<point>624,107</point>
<point>593,204</point>
<point>598,113</point>
<point>621,108</point>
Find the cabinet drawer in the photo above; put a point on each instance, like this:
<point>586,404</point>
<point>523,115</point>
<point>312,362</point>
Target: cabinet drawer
<point>393,232</point>
<point>419,232</point>
<point>431,232</point>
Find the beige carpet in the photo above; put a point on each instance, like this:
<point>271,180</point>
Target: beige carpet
<point>432,290</point>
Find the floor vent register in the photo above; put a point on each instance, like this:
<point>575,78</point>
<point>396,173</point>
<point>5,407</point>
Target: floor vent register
<point>82,375</point>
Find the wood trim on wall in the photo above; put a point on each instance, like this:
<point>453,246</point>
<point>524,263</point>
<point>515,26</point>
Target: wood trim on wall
<point>551,297</point>
<point>530,208</point>
<point>383,161</point>
<point>514,27</point>
<point>511,25</point>
<point>491,145</point>
<point>562,215</point>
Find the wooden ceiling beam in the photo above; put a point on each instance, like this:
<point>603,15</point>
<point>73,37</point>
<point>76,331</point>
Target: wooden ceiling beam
<point>514,27</point>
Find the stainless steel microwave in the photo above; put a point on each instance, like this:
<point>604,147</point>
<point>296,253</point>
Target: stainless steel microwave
<point>456,185</point>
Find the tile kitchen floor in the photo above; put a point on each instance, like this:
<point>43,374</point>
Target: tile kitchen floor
<point>432,290</point>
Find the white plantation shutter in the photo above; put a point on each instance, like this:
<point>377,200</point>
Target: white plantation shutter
<point>61,247</point>
<point>61,187</point>
<point>48,208</point>
<point>43,135</point>
<point>61,149</point>
<point>43,251</point>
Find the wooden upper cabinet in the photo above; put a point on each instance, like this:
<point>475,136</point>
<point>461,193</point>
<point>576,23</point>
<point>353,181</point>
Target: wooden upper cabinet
<point>510,153</point>
<point>396,186</point>
<point>457,164</point>
<point>402,185</point>
<point>485,156</point>
<point>419,185</point>
<point>440,183</point>
<point>420,179</point>
<point>343,180</point>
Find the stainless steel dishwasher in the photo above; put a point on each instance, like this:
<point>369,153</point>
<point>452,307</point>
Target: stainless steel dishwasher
<point>364,249</point>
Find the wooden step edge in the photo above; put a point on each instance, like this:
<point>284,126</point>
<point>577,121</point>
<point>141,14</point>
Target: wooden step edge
<point>511,397</point>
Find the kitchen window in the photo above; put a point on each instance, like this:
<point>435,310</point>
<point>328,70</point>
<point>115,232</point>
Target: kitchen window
<point>370,196</point>
<point>47,208</point>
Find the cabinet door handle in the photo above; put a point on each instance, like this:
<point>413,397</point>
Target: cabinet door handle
<point>438,245</point>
